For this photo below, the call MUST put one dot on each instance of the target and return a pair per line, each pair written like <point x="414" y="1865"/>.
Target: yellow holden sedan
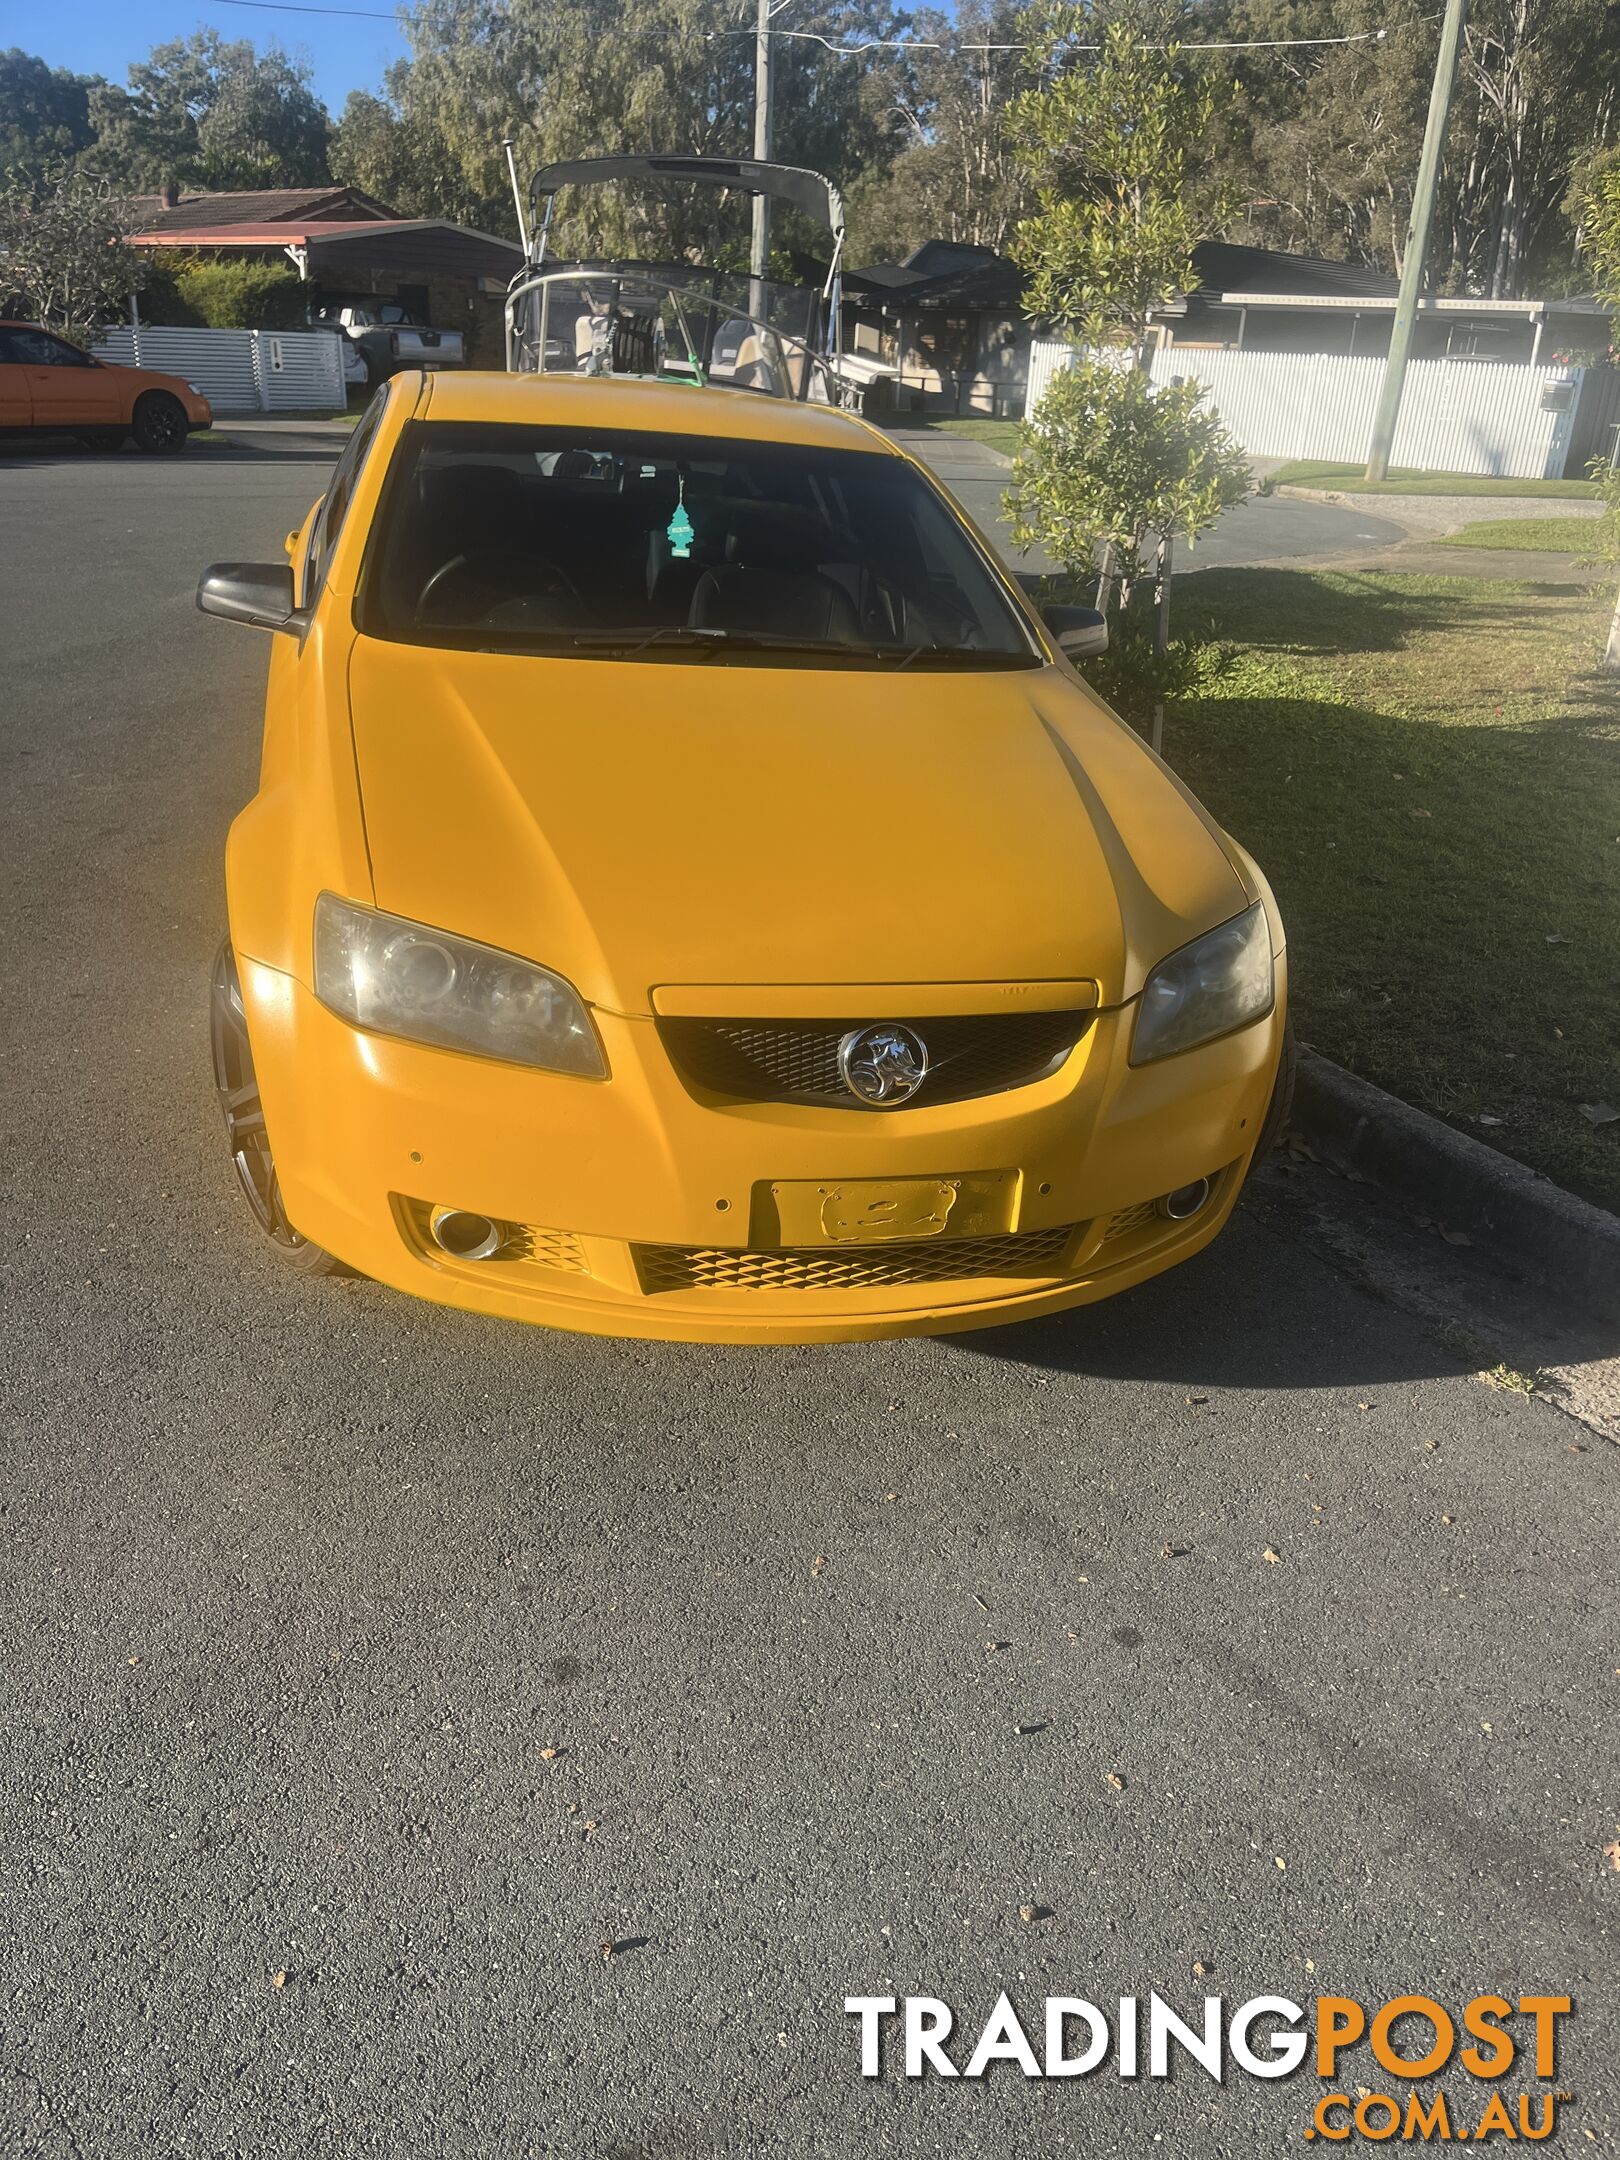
<point x="691" y="894"/>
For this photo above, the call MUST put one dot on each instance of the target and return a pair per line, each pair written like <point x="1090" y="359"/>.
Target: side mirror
<point x="1081" y="632"/>
<point x="250" y="592"/>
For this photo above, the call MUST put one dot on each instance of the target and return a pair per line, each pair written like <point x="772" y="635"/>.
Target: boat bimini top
<point x="629" y="319"/>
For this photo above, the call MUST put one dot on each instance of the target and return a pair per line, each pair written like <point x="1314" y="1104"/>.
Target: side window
<point x="37" y="348"/>
<point x="10" y="355"/>
<point x="335" y="503"/>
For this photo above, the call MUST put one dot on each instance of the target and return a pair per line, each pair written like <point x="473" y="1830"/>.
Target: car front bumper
<point x="638" y="1206"/>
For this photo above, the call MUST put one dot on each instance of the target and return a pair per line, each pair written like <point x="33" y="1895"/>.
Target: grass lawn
<point x="1314" y="472"/>
<point x="1429" y="773"/>
<point x="1558" y="535"/>
<point x="1000" y="435"/>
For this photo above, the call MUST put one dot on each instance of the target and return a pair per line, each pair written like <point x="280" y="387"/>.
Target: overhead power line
<point x="292" y="7"/>
<point x="975" y="45"/>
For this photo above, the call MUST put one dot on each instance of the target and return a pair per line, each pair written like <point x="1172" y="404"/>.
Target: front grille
<point x="871" y="1267"/>
<point x="797" y="1060"/>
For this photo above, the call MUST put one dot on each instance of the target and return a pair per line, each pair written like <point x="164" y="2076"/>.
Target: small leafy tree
<point x="1599" y="213"/>
<point x="1116" y="136"/>
<point x="64" y="259"/>
<point x="1108" y="462"/>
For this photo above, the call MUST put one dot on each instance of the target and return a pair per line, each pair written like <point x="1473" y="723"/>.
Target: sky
<point x="102" y="37"/>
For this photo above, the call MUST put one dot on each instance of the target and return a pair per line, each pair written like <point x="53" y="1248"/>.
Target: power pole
<point x="1417" y="242"/>
<point x="760" y="252"/>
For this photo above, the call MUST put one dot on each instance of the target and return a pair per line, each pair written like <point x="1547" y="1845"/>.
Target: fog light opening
<point x="1186" y="1201"/>
<point x="465" y="1236"/>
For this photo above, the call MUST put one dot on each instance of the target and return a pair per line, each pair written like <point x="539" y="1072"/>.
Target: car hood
<point x="641" y="824"/>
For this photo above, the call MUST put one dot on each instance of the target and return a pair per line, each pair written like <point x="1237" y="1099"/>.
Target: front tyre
<point x="238" y="1088"/>
<point x="159" y="425"/>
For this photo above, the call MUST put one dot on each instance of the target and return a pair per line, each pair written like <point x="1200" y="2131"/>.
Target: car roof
<point x="662" y="408"/>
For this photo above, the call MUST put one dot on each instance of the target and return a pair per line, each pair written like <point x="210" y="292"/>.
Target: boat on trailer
<point x="630" y="319"/>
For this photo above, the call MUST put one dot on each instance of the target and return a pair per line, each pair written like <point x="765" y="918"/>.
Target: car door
<point x="65" y="386"/>
<point x="16" y="410"/>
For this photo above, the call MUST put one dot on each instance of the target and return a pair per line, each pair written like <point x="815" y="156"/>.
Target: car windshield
<point x="678" y="547"/>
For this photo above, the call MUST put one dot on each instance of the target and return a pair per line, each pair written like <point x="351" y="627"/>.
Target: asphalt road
<point x="838" y="1648"/>
<point x="1264" y="529"/>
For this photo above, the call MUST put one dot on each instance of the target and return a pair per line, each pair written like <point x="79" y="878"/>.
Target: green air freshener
<point x="679" y="528"/>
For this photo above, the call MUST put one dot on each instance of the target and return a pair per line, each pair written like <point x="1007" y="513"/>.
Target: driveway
<point x="425" y="1735"/>
<point x="1265" y="529"/>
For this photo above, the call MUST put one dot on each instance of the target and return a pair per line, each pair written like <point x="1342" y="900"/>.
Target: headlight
<point x="1219" y="982"/>
<point x="402" y="978"/>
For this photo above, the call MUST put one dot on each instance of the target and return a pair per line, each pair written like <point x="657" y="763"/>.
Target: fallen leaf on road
<point x="278" y="1980"/>
<point x="1198" y="1398"/>
<point x="1598" y="1113"/>
<point x="1281" y="1862"/>
<point x="1485" y="1725"/>
<point x="550" y="1754"/>
<point x="891" y="1496"/>
<point x="1556" y="937"/>
<point x="1423" y="813"/>
<point x="1116" y="1781"/>
<point x="818" y="1563"/>
<point x="1174" y="1552"/>
<point x="1036" y="1725"/>
<point x="1611" y="1853"/>
<point x="1455" y="1237"/>
<point x="1199" y="1968"/>
<point x="1271" y="1553"/>
<point x="1492" y="1121"/>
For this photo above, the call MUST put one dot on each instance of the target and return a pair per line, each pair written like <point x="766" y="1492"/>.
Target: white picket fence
<point x="241" y="371"/>
<point x="1464" y="416"/>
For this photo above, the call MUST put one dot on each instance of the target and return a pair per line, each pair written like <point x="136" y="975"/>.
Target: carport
<point x="452" y="275"/>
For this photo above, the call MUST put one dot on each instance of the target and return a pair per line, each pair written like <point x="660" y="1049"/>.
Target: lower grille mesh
<point x="870" y="1267"/>
<point x="1129" y="1219"/>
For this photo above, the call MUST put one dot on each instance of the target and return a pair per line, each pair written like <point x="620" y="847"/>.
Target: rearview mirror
<point x="250" y="592"/>
<point x="1081" y="632"/>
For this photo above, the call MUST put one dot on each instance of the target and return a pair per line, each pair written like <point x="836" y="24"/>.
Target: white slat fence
<point x="1462" y="416"/>
<point x="241" y="371"/>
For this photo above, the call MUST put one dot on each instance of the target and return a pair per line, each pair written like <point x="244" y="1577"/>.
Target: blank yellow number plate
<point x="877" y="1211"/>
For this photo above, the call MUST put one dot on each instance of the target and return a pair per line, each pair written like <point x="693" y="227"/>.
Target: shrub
<point x="241" y="295"/>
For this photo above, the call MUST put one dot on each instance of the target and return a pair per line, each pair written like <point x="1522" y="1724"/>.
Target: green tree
<point x="210" y="114"/>
<point x="1116" y="138"/>
<point x="44" y="111"/>
<point x="957" y="175"/>
<point x="1324" y="144"/>
<point x="575" y="78"/>
<point x="63" y="257"/>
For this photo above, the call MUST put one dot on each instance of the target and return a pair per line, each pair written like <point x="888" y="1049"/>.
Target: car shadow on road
<point x="1250" y="1311"/>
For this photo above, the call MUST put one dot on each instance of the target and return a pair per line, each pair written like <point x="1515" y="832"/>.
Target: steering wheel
<point x="484" y="566"/>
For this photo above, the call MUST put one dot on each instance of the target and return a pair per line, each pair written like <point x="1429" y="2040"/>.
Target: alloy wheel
<point x="243" y="1108"/>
